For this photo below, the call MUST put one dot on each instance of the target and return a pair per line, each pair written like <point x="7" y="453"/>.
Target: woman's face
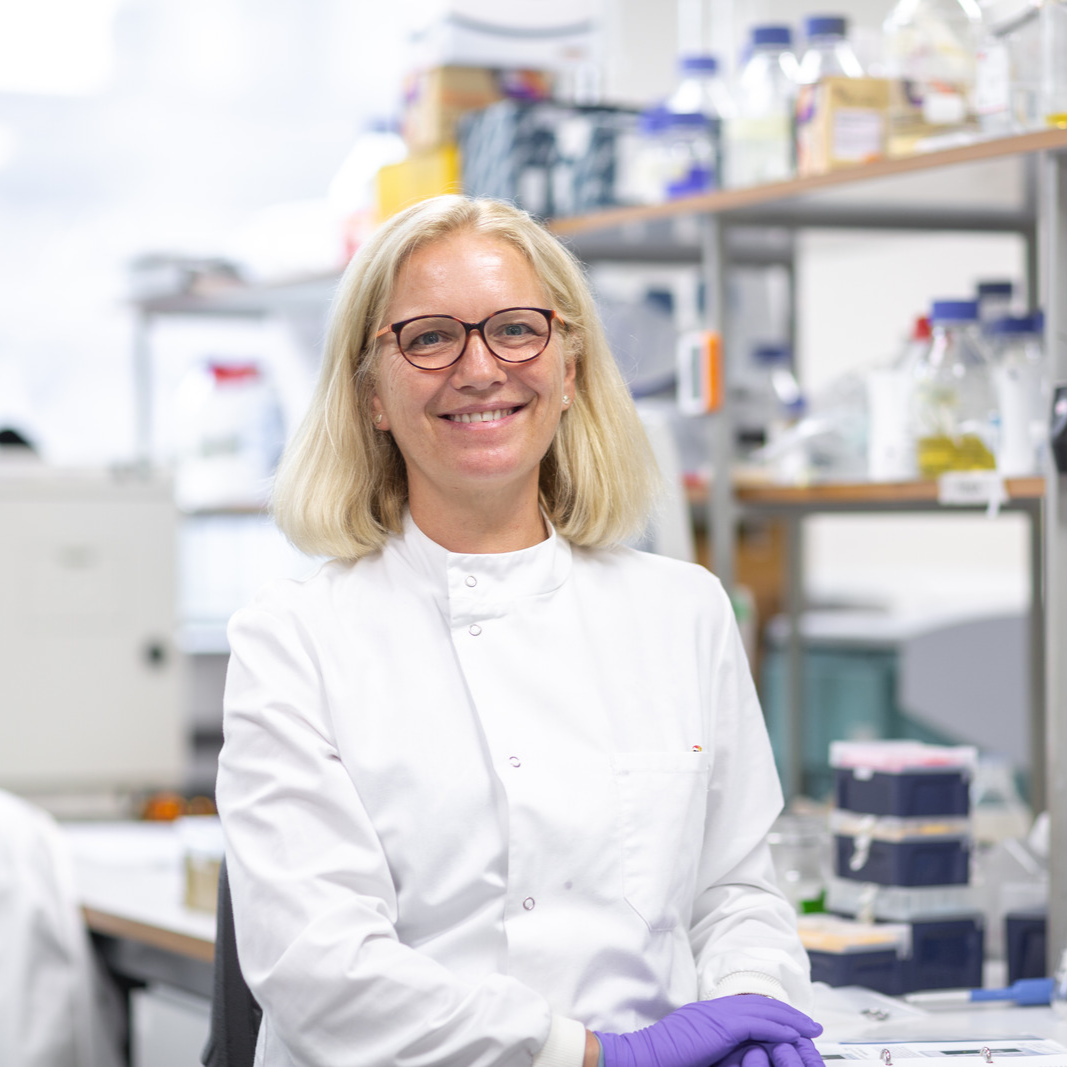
<point x="518" y="405"/>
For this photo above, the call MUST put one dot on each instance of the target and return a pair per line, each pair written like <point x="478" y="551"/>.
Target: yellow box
<point x="436" y="98"/>
<point x="841" y="122"/>
<point x="418" y="177"/>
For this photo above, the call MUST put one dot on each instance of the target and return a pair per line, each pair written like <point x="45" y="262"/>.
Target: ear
<point x="379" y="419"/>
<point x="569" y="376"/>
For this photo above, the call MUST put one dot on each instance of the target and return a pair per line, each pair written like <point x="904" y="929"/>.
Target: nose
<point x="477" y="368"/>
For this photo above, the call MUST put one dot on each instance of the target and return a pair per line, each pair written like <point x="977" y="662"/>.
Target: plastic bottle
<point x="1053" y="100"/>
<point x="994" y="301"/>
<point x="760" y="137"/>
<point x="1008" y="69"/>
<point x="1020" y="377"/>
<point x="229" y="436"/>
<point x="695" y="113"/>
<point x="828" y="51"/>
<point x="890" y="443"/>
<point x="954" y="412"/>
<point x="931" y="46"/>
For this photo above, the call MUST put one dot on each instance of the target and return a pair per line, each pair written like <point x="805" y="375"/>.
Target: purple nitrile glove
<point x="700" y="1034"/>
<point x="801" y="1053"/>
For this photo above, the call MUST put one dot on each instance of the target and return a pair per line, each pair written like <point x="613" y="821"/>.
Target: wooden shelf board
<point x="722" y="202"/>
<point x="892" y="493"/>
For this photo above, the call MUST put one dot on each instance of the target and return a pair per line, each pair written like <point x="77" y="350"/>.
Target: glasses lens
<point x="433" y="341"/>
<point x="519" y="334"/>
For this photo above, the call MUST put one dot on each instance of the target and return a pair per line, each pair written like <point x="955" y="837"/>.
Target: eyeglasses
<point x="433" y="342"/>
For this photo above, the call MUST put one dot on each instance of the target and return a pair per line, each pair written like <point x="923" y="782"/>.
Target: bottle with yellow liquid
<point x="1054" y="62"/>
<point x="953" y="406"/>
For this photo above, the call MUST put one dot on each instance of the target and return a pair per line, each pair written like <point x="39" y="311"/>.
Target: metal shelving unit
<point x="1041" y="221"/>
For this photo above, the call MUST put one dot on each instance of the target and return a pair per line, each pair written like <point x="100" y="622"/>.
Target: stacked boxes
<point x="902" y="842"/>
<point x="550" y="159"/>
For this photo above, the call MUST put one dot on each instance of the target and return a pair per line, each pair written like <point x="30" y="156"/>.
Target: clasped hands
<point x="746" y="1030"/>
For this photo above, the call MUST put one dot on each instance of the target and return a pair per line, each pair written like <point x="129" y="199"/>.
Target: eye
<point x="515" y="329"/>
<point x="429" y="335"/>
<point x="427" y="339"/>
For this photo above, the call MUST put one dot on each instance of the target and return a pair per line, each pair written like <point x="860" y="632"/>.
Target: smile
<point x="482" y="416"/>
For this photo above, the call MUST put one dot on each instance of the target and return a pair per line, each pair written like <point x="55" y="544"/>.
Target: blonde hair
<point x="341" y="487"/>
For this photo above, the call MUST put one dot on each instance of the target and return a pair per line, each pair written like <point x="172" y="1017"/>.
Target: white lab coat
<point x="52" y="1008"/>
<point x="475" y="803"/>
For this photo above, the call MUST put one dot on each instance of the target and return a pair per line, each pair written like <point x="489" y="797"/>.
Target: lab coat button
<point x="529" y="903"/>
<point x="471" y="581"/>
<point x="474" y="630"/>
<point x="515" y="761"/>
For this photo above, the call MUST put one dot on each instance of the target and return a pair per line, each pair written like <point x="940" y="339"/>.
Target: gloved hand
<point x="801" y="1053"/>
<point x="702" y="1033"/>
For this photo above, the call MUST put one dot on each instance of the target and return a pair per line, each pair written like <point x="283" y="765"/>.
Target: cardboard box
<point x="416" y="178"/>
<point x="841" y="122"/>
<point x="435" y="99"/>
<point x="914" y="117"/>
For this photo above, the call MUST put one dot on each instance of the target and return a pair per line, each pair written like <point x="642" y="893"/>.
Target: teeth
<point x="481" y="416"/>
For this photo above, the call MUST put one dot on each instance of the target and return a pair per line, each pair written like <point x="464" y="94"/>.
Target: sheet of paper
<point x="1020" y="1051"/>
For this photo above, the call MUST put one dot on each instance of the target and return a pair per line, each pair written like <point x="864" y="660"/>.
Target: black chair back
<point x="235" y="1015"/>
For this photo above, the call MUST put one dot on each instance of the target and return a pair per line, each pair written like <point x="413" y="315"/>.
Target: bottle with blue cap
<point x="692" y="121"/>
<point x="1021" y="381"/>
<point x="760" y="137"/>
<point x="995" y="300"/>
<point x="955" y="417"/>
<point x="828" y="52"/>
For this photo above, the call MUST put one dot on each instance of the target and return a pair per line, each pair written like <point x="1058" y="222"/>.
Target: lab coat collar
<point x="533" y="571"/>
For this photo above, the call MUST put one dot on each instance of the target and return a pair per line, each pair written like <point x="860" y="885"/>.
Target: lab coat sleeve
<point x="743" y="931"/>
<point x="314" y="902"/>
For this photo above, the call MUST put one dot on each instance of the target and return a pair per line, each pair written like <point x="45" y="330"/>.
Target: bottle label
<point x="857" y="134"/>
<point x="992" y="90"/>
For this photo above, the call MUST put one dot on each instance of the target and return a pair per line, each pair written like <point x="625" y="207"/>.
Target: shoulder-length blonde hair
<point x="341" y="487"/>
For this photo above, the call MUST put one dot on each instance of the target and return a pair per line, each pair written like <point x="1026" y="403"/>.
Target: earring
<point x="566" y="400"/>
<point x="378" y="419"/>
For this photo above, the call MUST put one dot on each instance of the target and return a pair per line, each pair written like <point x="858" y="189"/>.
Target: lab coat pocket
<point x="662" y="803"/>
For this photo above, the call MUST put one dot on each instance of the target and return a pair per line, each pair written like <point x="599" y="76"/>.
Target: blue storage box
<point x="902" y="852"/>
<point x="905" y="779"/>
<point x="844" y="951"/>
<point x="895" y="958"/>
<point x="880" y="971"/>
<point x="945" y="954"/>
<point x="908" y="795"/>
<point x="944" y="861"/>
<point x="1024" y="935"/>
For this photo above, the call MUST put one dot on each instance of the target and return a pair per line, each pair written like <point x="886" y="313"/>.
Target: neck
<point x="490" y="522"/>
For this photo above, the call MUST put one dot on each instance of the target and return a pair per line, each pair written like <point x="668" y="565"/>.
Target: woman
<point x="495" y="790"/>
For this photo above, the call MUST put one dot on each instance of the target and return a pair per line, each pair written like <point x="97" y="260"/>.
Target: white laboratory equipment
<point x="90" y="679"/>
<point x="759" y="139"/>
<point x="931" y="50"/>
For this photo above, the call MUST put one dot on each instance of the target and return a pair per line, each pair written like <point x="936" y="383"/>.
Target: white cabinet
<point x="90" y="678"/>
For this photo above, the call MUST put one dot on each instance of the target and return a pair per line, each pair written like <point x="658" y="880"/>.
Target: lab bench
<point x="130" y="882"/>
